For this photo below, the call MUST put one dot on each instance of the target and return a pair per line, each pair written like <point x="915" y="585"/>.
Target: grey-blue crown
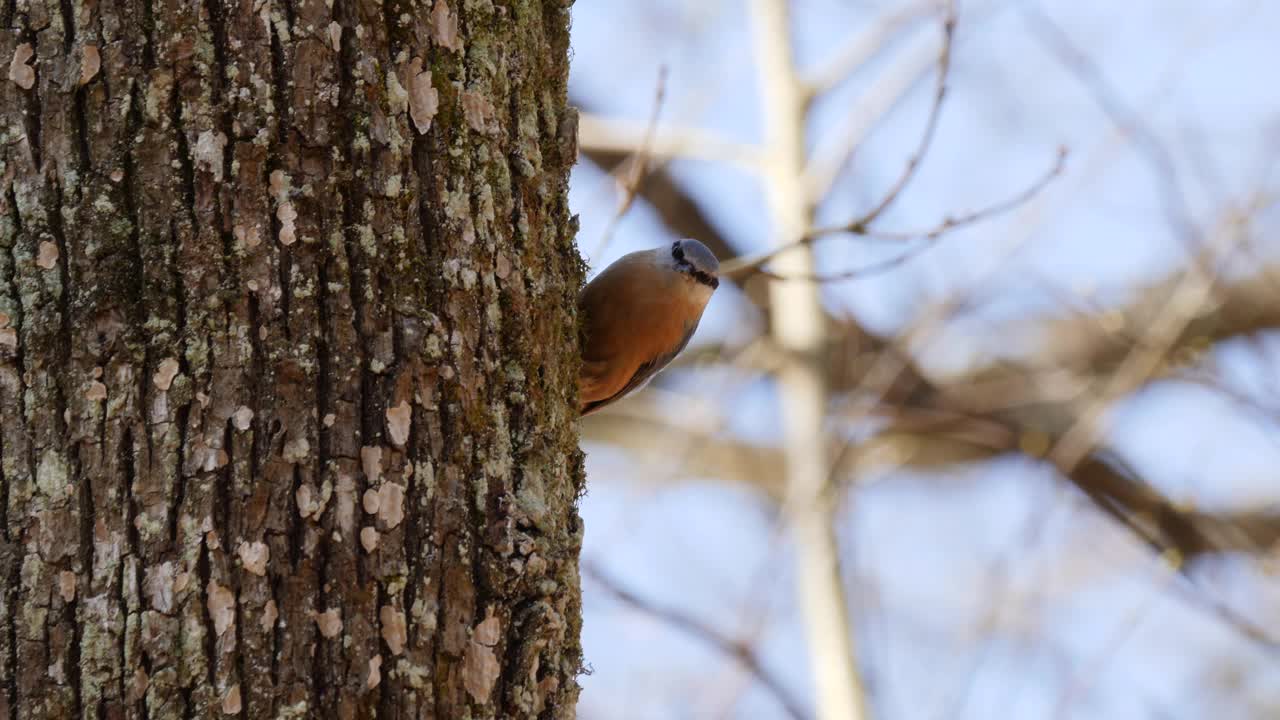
<point x="696" y="256"/>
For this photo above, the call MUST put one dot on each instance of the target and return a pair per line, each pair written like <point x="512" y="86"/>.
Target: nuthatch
<point x="638" y="315"/>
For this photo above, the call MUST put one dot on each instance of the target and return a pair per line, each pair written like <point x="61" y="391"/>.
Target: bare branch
<point x="876" y="268"/>
<point x="740" y="269"/>
<point x="743" y="653"/>
<point x="930" y="126"/>
<point x="1179" y="537"/>
<point x="1083" y="678"/>
<point x="834" y="152"/>
<point x="637" y="165"/>
<point x="936" y="436"/>
<point x="1180" y="534"/>
<point x="679" y="211"/>
<point x="1093" y="343"/>
<point x="861" y="225"/>
<point x="636" y="426"/>
<point x="862" y="48"/>
<point x="614" y="135"/>
<point x="1164" y="171"/>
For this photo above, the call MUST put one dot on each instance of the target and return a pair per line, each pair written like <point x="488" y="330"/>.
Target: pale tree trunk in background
<point x="286" y="383"/>
<point x="799" y="328"/>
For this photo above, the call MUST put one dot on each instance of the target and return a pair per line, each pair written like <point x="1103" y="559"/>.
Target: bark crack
<point x="133" y="122"/>
<point x="12" y="583"/>
<point x="320" y="679"/>
<point x="356" y="285"/>
<point x="390" y="15"/>
<point x="218" y="29"/>
<point x="135" y="549"/>
<point x="324" y="362"/>
<point x="4" y="497"/>
<point x="275" y="631"/>
<point x="280" y="84"/>
<point x="68" y="26"/>
<point x="148" y="36"/>
<point x="285" y="271"/>
<point x="179" y="491"/>
<point x="4" y="479"/>
<point x="31" y="115"/>
<point x="64" y="302"/>
<point x="19" y="324"/>
<point x="185" y="160"/>
<point x="297" y="524"/>
<point x="80" y="112"/>
<point x="61" y="414"/>
<point x="74" y="672"/>
<point x="205" y="572"/>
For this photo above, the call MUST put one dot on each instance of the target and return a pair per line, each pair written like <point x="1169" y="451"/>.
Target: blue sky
<point x="1089" y="626"/>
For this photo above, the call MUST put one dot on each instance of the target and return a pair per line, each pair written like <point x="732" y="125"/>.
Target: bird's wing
<point x="643" y="374"/>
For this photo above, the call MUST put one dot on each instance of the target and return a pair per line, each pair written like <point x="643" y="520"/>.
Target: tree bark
<point x="287" y="357"/>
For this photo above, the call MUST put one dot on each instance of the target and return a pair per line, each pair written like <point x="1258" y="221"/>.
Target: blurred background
<point x="978" y="429"/>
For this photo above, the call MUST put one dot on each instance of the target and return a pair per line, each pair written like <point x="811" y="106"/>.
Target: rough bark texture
<point x="286" y="296"/>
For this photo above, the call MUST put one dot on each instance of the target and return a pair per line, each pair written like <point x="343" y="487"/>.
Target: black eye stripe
<point x="688" y="268"/>
<point x="698" y="275"/>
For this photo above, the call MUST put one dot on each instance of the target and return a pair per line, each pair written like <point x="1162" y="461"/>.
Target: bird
<point x="637" y="315"/>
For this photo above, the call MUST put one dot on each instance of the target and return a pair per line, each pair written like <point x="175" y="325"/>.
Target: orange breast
<point x="632" y="313"/>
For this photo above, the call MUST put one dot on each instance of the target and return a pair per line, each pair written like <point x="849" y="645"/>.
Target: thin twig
<point x="744" y="654"/>
<point x="1160" y="160"/>
<point x="636" y="168"/>
<point x="1089" y="670"/>
<point x="739" y="270"/>
<point x="835" y="150"/>
<point x="1188" y="297"/>
<point x="876" y="268"/>
<point x="861" y="225"/>
<point x="612" y="135"/>
<point x="1143" y="362"/>
<point x="930" y="127"/>
<point x="861" y="49"/>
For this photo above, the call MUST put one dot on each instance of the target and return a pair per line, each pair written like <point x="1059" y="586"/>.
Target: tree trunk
<point x="287" y="351"/>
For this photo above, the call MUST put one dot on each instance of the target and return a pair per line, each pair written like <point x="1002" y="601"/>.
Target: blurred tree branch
<point x="994" y="409"/>
<point x="836" y="151"/>
<point x="1003" y="407"/>
<point x="740" y="651"/>
<point x="1160" y="160"/>
<point x="596" y="132"/>
<point x="637" y="166"/>
<point x="879" y="408"/>
<point x="863" y="47"/>
<point x="738" y="269"/>
<point x="934" y="442"/>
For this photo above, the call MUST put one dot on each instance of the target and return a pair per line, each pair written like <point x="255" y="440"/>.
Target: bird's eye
<point x="677" y="252"/>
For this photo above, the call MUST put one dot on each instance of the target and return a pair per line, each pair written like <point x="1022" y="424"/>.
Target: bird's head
<point x="695" y="261"/>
